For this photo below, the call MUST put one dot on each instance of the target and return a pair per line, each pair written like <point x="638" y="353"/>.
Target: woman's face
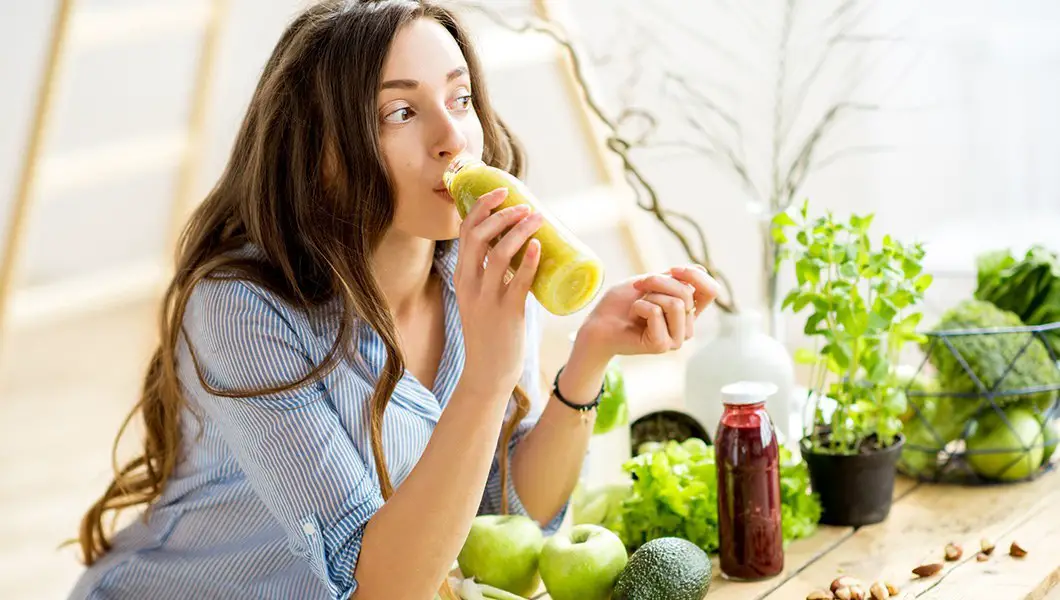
<point x="425" y="118"/>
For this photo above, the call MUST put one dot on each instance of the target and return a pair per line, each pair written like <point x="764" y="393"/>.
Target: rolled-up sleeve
<point x="291" y="445"/>
<point x="531" y="383"/>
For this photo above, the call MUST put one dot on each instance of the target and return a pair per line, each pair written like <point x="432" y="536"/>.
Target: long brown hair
<point x="312" y="111"/>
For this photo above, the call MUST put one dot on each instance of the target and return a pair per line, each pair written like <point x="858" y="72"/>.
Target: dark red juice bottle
<point x="747" y="459"/>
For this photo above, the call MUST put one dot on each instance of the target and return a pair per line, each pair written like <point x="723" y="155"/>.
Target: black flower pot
<point x="857" y="489"/>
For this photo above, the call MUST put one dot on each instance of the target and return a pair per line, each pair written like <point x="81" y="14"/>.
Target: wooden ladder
<point x="77" y="29"/>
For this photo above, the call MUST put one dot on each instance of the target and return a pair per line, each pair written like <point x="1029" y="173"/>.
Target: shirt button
<point x="309" y="529"/>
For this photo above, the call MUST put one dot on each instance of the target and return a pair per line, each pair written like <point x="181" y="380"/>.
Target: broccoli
<point x="988" y="357"/>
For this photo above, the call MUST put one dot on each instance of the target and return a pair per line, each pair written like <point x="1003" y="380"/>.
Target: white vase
<point x="742" y="351"/>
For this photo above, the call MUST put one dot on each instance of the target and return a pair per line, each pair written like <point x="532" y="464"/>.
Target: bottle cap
<point x="747" y="392"/>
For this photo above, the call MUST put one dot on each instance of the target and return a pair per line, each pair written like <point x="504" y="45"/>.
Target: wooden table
<point x="923" y="519"/>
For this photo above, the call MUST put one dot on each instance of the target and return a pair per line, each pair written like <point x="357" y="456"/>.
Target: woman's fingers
<point x="690" y="323"/>
<point x="676" y="315"/>
<point x="520" y="284"/>
<point x="669" y="286"/>
<point x="497" y="223"/>
<point x="655" y="331"/>
<point x="482" y="208"/>
<point x="706" y="288"/>
<point x="480" y="227"/>
<point x="500" y="257"/>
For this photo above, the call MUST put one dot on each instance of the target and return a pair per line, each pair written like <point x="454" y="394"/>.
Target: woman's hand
<point x="648" y="314"/>
<point x="492" y="309"/>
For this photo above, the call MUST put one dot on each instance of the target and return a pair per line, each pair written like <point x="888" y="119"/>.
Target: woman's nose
<point x="451" y="139"/>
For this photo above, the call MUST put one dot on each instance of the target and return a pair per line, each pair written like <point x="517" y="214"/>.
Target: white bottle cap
<point x="747" y="392"/>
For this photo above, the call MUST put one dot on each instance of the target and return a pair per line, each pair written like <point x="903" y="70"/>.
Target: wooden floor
<point x="64" y="390"/>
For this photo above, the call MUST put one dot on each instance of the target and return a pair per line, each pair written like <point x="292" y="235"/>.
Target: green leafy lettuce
<point x="674" y="492"/>
<point x="1028" y="287"/>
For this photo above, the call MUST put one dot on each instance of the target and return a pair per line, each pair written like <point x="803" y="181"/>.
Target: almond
<point x="986" y="546"/>
<point x="953" y="552"/>
<point x="844" y="581"/>
<point x="1016" y="551"/>
<point x="820" y="595"/>
<point x="927" y="570"/>
<point x="982" y="557"/>
<point x="879" y="591"/>
<point x="844" y="593"/>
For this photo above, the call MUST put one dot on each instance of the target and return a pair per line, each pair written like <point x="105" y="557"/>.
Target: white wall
<point x="974" y="124"/>
<point x="23" y="27"/>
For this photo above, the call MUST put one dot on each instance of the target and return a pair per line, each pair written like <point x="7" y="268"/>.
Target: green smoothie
<point x="570" y="275"/>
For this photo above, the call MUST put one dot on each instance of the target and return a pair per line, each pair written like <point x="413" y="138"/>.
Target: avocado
<point x="667" y="568"/>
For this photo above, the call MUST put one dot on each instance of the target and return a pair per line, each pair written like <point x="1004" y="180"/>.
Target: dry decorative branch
<point x="646" y="194"/>
<point x="716" y="133"/>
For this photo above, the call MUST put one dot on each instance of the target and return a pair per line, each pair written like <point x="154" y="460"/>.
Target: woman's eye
<point x="400" y="115"/>
<point x="462" y="102"/>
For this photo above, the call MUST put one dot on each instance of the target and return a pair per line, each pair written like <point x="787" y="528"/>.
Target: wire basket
<point x="984" y="417"/>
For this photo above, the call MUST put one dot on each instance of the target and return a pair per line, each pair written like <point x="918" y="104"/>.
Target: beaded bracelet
<point x="578" y="407"/>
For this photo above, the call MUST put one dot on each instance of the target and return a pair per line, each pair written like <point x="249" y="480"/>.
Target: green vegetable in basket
<point x="989" y="357"/>
<point x="924" y="438"/>
<point x="1006" y="451"/>
<point x="921" y="428"/>
<point x="909" y="378"/>
<point x="1029" y="287"/>
<point x="1051" y="431"/>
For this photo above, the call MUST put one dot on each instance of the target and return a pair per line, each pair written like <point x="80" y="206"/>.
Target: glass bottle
<point x="569" y="274"/>
<point x="748" y="465"/>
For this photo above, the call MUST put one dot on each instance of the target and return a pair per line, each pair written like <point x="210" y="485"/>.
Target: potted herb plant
<point x="860" y="301"/>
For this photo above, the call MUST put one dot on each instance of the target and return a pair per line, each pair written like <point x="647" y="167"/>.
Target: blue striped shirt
<point x="272" y="493"/>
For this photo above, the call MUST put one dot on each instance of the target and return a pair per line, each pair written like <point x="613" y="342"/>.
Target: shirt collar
<point x="448" y="254"/>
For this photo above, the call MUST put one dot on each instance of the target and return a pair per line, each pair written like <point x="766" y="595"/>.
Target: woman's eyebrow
<point x="411" y="84"/>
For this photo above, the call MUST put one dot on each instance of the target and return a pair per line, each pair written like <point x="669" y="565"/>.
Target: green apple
<point x="600" y="505"/>
<point x="583" y="565"/>
<point x="996" y="451"/>
<point x="503" y="551"/>
<point x="920" y="455"/>
<point x="911" y="378"/>
<point x="1052" y="437"/>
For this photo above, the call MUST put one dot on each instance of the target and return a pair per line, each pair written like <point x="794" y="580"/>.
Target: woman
<point x="328" y="279"/>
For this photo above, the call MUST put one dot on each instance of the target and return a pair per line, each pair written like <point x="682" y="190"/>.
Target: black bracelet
<point x="578" y="407"/>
